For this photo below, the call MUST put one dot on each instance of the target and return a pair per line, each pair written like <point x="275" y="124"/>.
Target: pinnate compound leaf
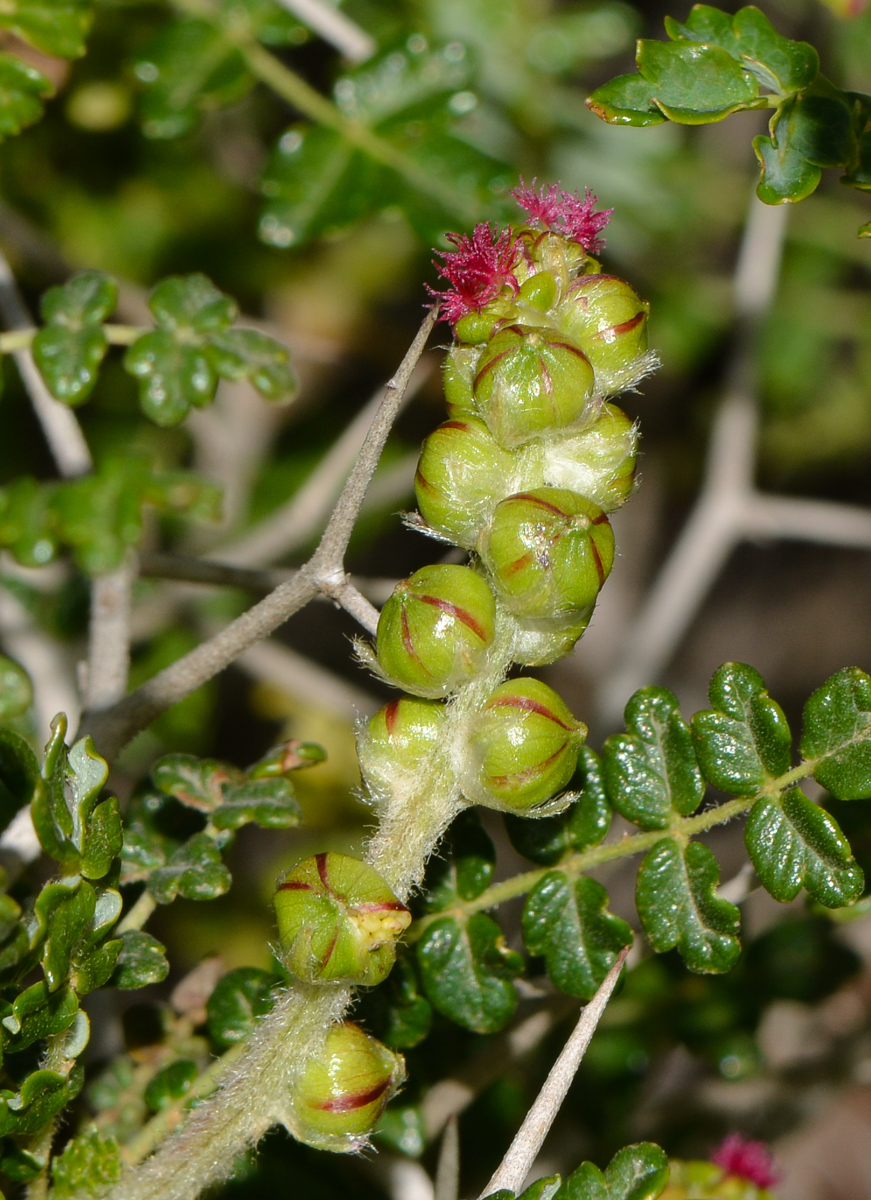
<point x="43" y="1095"/>
<point x="90" y="1164"/>
<point x="567" y="921"/>
<point x="269" y="803"/>
<point x="71" y="346"/>
<point x="837" y="734"/>
<point x="67" y="795"/>
<point x="38" y="1013"/>
<point x="56" y="27"/>
<point x="467" y="972"/>
<point x="651" y="772"/>
<point x="693" y="83"/>
<point x="196" y="782"/>
<point x="582" y="825"/>
<point x="172" y="362"/>
<point x="22" y="88"/>
<point x="249" y="354"/>
<point x="793" y="843"/>
<point x="679" y="906"/>
<point x="638" y="1172"/>
<point x="466" y="868"/>
<point x="190" y="66"/>
<point x="780" y="64"/>
<point x="396" y="1011"/>
<point x="195" y="871"/>
<point x="104" y="837"/>
<point x="141" y="961"/>
<point x="238" y="1000"/>
<point x="16" y="693"/>
<point x="745" y="741"/>
<point x="626" y="100"/>
<point x="315" y="182"/>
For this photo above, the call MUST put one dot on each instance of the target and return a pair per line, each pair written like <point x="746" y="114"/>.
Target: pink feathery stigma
<point x="751" y="1160"/>
<point x="477" y="270"/>
<point x="565" y="213"/>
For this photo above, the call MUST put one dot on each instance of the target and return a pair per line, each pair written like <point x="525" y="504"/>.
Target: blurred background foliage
<point x="144" y="166"/>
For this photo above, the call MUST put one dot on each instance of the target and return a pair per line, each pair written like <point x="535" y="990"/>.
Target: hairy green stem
<point x="585" y="860"/>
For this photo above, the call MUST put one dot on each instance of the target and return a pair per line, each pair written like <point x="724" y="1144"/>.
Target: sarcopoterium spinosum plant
<point x="521" y="478"/>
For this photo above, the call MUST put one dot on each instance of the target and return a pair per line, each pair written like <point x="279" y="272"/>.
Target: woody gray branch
<point x="324" y="572"/>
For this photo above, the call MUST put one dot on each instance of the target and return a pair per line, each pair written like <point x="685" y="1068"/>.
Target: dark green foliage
<point x="467" y="972"/>
<point x="566" y="920"/>
<point x="141" y="960"/>
<point x="16" y="690"/>
<point x="679" y="907"/>
<point x="317" y="181"/>
<point x="98" y="517"/>
<point x="466" y="872"/>
<point x="195" y="871"/>
<point x="651" y="772"/>
<point x="582" y="825"/>
<point x="238" y="1000"/>
<point x="19" y="774"/>
<point x="638" y="1172"/>
<point x="227" y="795"/>
<point x="71" y="346"/>
<point x="745" y="741"/>
<point x="54" y="26"/>
<point x="170" y="1084"/>
<point x="89" y="1163"/>
<point x="396" y="1011"/>
<point x="22" y="88"/>
<point x="714" y="65"/>
<point x="794" y="843"/>
<point x="837" y="731"/>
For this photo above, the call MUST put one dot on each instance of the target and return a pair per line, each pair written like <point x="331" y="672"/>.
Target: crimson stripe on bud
<point x="397" y="742"/>
<point x="436" y="629"/>
<point x="523" y="747"/>
<point x="338" y="919"/>
<point x="549" y="551"/>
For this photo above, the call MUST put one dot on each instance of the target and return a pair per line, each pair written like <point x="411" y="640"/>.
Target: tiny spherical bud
<point x="436" y="629"/>
<point x="338" y="919"/>
<point x="461" y="476"/>
<point x="532" y="382"/>
<point x="459" y="372"/>
<point x="344" y="1089"/>
<point x="476" y="328"/>
<point x="549" y="551"/>
<point x="523" y="747"/>
<point x="609" y="319"/>
<point x="540" y="290"/>
<point x="549" y="251"/>
<point x="599" y="462"/>
<point x="537" y="642"/>
<point x="392" y="747"/>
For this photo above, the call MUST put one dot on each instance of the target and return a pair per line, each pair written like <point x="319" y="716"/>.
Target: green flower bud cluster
<point x="338" y="921"/>
<point x="523" y="475"/>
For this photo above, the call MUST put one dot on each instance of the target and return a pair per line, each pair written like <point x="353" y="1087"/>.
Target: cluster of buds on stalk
<point x="522" y="476"/>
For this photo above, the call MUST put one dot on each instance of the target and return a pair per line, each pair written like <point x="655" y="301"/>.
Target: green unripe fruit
<point x="523" y="747"/>
<point x="549" y="551"/>
<point x="540" y="290"/>
<point x="338" y="919"/>
<point x="461" y="476"/>
<point x="397" y="740"/>
<point x="532" y="382"/>
<point x="598" y="462"/>
<point x="609" y="319"/>
<point x="459" y="372"/>
<point x="436" y="629"/>
<point x="344" y="1089"/>
<point x="537" y="643"/>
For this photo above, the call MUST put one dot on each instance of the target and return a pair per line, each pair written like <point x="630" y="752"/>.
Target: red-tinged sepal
<point x="338" y="920"/>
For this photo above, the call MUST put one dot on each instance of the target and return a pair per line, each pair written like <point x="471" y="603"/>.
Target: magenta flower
<point x="565" y="213"/>
<point x="477" y="270"/>
<point x="751" y="1160"/>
